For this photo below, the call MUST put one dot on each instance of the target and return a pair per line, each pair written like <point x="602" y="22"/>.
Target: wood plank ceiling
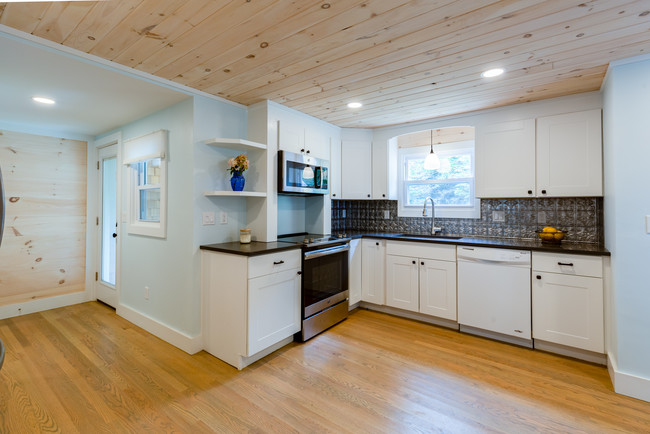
<point x="404" y="60"/>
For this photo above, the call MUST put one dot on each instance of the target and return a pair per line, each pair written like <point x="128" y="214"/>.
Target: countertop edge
<point x="236" y="248"/>
<point x="567" y="247"/>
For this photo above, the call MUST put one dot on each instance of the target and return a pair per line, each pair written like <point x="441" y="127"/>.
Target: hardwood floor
<point x="84" y="369"/>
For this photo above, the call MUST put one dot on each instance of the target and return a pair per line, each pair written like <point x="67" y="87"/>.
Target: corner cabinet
<point x="568" y="300"/>
<point x="372" y="271"/>
<point x="354" y="274"/>
<point x="551" y="156"/>
<point x="251" y="305"/>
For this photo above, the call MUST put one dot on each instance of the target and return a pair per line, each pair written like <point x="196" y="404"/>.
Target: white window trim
<point x="158" y="142"/>
<point x="473" y="211"/>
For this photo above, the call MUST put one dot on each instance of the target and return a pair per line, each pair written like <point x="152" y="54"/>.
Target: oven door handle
<point x="324" y="252"/>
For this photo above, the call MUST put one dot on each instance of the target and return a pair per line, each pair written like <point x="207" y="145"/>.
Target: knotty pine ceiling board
<point x="405" y="60"/>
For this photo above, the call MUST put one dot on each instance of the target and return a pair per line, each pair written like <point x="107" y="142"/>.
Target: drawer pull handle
<point x="299" y="273"/>
<point x="278" y="262"/>
<point x="568" y="264"/>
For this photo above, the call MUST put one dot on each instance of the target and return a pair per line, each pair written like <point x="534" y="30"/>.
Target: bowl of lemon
<point x="551" y="235"/>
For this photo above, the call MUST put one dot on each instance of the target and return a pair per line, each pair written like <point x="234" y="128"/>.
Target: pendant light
<point x="432" y="162"/>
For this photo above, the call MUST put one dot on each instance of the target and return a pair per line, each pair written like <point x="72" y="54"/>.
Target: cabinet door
<point x="380" y="171"/>
<point x="291" y="134"/>
<point x="317" y="142"/>
<point x="438" y="288"/>
<point x="356" y="169"/>
<point x="568" y="310"/>
<point x="373" y="285"/>
<point x="505" y="159"/>
<point x="569" y="155"/>
<point x="354" y="266"/>
<point x="402" y="286"/>
<point x="273" y="309"/>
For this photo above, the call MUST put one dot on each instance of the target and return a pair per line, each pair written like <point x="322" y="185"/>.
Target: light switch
<point x="208" y="218"/>
<point x="223" y="218"/>
<point x="386" y="214"/>
<point x="541" y="217"/>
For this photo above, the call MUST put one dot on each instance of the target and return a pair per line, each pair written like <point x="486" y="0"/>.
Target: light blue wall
<point x="165" y="265"/>
<point x="626" y="116"/>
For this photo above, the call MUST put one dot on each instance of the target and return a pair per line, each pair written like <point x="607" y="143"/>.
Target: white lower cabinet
<point x="568" y="300"/>
<point x="372" y="271"/>
<point x="251" y="305"/>
<point x="354" y="272"/>
<point x="425" y="283"/>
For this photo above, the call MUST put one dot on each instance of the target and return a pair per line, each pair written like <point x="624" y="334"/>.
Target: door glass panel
<point x="109" y="220"/>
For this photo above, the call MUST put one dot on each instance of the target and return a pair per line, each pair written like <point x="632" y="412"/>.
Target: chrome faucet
<point x="434" y="229"/>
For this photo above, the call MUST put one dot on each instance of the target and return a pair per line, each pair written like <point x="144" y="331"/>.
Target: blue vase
<point x="237" y="181"/>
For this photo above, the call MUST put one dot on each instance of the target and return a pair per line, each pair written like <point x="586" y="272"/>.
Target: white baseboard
<point x="41" y="304"/>
<point x="189" y="344"/>
<point x="628" y="384"/>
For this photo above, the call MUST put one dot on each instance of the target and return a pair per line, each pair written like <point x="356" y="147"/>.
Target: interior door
<point x="106" y="289"/>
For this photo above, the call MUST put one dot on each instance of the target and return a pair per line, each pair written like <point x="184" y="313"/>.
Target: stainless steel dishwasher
<point x="494" y="293"/>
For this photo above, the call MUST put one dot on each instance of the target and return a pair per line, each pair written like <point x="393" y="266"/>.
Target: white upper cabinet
<point x="505" y="159"/>
<point x="553" y="156"/>
<point x="356" y="169"/>
<point x="302" y="134"/>
<point x="335" y="168"/>
<point x="569" y="155"/>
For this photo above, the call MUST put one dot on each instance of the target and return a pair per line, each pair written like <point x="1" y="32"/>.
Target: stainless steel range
<point x="324" y="282"/>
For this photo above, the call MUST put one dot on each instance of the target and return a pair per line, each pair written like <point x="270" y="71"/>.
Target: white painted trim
<point x="189" y="344"/>
<point x="39" y="305"/>
<point x="628" y="384"/>
<point x="107" y="64"/>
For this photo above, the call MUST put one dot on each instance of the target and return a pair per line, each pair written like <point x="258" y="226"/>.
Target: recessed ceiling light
<point x="492" y="73"/>
<point x="43" y="100"/>
<point x="354" y="105"/>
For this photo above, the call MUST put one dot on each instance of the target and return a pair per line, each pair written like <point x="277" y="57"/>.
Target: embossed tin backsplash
<point x="582" y="217"/>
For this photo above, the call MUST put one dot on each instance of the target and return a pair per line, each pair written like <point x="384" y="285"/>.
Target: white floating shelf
<point x="235" y="193"/>
<point x="237" y="144"/>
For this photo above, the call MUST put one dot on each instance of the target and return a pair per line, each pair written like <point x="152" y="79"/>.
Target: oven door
<point x="324" y="278"/>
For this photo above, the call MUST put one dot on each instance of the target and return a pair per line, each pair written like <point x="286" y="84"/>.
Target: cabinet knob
<point x="383" y="195"/>
<point x="414" y="262"/>
<point x="308" y="151"/>
<point x="530" y="191"/>
<point x="543" y="191"/>
<point x="539" y="277"/>
<point x="302" y="150"/>
<point x="368" y="195"/>
<point x="422" y="263"/>
<point x="376" y="244"/>
<point x="333" y="194"/>
<point x="299" y="273"/>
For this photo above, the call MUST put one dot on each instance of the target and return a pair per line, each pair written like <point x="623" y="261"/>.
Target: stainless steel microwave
<point x="302" y="174"/>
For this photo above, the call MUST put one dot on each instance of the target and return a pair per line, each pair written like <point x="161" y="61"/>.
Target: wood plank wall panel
<point x="43" y="251"/>
<point x="406" y="60"/>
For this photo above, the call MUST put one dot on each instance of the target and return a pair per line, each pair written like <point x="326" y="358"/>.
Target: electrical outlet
<point x="386" y="214"/>
<point x="541" y="217"/>
<point x="208" y="218"/>
<point x="498" y="216"/>
<point x="223" y="218"/>
<point x="146" y="293"/>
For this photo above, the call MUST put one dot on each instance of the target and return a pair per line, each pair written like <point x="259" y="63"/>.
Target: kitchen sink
<point x="433" y="237"/>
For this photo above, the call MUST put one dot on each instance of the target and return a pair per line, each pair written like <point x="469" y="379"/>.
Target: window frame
<point x="442" y="211"/>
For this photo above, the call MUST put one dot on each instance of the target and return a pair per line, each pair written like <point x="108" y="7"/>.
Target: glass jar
<point x="244" y="236"/>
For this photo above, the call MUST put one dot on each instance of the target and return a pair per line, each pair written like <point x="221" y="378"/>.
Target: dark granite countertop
<point x="253" y="249"/>
<point x="504" y="243"/>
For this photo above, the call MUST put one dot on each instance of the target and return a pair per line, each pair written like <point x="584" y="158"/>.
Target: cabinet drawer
<point x="273" y="263"/>
<point x="421" y="250"/>
<point x="577" y="265"/>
